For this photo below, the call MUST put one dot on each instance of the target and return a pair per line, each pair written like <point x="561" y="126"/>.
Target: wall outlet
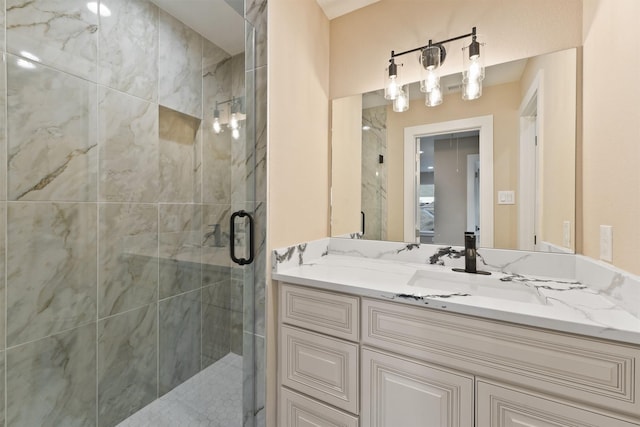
<point x="566" y="234"/>
<point x="606" y="243"/>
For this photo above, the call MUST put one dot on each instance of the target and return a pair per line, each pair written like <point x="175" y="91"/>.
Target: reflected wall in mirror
<point x="531" y="104"/>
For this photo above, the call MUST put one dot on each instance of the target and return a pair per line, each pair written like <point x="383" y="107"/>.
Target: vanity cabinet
<point x="430" y="368"/>
<point x="397" y="391"/>
<point x="504" y="406"/>
<point x="318" y="360"/>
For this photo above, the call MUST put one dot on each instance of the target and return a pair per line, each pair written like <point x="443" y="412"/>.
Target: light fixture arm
<point x="431" y="43"/>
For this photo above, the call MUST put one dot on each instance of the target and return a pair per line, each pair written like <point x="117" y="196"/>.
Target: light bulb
<point x="393" y="88"/>
<point x="434" y="97"/>
<point x="475" y="69"/>
<point x="235" y="133"/>
<point x="216" y="125"/>
<point x="233" y="121"/>
<point x="401" y="103"/>
<point x="431" y="81"/>
<point x="472" y="89"/>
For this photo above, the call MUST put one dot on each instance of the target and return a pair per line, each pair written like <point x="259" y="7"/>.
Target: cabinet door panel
<point x="297" y="410"/>
<point x="503" y="406"/>
<point x="401" y="392"/>
<point x="324" y="312"/>
<point x="322" y="367"/>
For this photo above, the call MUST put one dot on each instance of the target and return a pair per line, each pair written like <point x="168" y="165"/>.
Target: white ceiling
<point x="335" y="8"/>
<point x="214" y="19"/>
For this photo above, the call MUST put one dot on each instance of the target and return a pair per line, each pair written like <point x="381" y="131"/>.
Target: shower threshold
<point x="211" y="398"/>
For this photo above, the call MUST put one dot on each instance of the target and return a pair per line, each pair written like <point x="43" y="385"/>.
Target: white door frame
<point x="529" y="178"/>
<point x="483" y="124"/>
<point x="472" y="160"/>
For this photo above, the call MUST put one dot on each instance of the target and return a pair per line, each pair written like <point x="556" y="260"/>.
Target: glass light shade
<point x="430" y="71"/>
<point x="233" y="121"/>
<point x="235" y="133"/>
<point x="401" y="103"/>
<point x="433" y="97"/>
<point x="216" y="125"/>
<point x="392" y="86"/>
<point x="473" y="62"/>
<point x="471" y="89"/>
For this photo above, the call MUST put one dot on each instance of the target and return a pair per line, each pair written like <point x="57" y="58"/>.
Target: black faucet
<point x="470" y="252"/>
<point x="470" y="255"/>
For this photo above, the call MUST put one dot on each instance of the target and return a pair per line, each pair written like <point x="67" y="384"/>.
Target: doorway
<point x="483" y="126"/>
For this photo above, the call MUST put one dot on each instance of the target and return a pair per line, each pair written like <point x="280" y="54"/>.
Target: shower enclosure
<point x="122" y="210"/>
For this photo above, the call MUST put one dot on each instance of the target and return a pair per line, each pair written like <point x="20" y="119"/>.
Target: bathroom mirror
<point x="502" y="165"/>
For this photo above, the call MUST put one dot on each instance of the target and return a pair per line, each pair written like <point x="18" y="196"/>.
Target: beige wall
<point x="611" y="130"/>
<point x="557" y="140"/>
<point x="361" y="42"/>
<point x="346" y="164"/>
<point x="503" y="102"/>
<point x="298" y="88"/>
<point x="298" y="143"/>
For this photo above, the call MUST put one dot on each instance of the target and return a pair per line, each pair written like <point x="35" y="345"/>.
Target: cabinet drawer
<point x="319" y="311"/>
<point x="322" y="367"/>
<point x="296" y="410"/>
<point x="502" y="406"/>
<point x="583" y="369"/>
<point x="400" y="392"/>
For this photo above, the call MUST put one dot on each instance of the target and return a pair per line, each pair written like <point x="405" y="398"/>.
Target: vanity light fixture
<point x="431" y="57"/>
<point x="231" y="116"/>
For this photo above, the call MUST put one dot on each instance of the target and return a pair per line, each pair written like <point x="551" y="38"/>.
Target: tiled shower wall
<point x="114" y="290"/>
<point x="374" y="173"/>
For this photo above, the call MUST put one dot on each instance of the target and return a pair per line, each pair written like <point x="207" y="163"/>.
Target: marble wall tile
<point x="212" y="55"/>
<point x="256" y="14"/>
<point x="129" y="153"/>
<point x="2" y="388"/>
<point x="374" y="177"/>
<point x="3" y="20"/>
<point x="216" y="324"/>
<point x="180" y="67"/>
<point x="52" y="381"/>
<point x="215" y="243"/>
<point x="128" y="55"/>
<point x="260" y="135"/>
<point x="128" y="251"/>
<point x="51" y="134"/>
<point x="216" y="154"/>
<point x="248" y="376"/>
<point x="235" y="339"/>
<point x="180" y="252"/>
<point x="3" y="120"/>
<point x="60" y="239"/>
<point x="179" y="171"/>
<point x="127" y="364"/>
<point x="60" y="33"/>
<point x="219" y="294"/>
<point x="3" y="216"/>
<point x="180" y="339"/>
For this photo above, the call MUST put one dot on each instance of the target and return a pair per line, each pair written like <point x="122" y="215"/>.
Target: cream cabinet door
<point x="503" y="406"/>
<point x="297" y="410"/>
<point x="399" y="392"/>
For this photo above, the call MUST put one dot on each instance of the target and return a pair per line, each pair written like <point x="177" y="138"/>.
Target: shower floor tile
<point x="212" y="398"/>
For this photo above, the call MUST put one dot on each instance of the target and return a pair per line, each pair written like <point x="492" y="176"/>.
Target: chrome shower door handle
<point x="232" y="237"/>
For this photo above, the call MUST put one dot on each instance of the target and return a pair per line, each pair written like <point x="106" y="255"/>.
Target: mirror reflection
<point x="502" y="166"/>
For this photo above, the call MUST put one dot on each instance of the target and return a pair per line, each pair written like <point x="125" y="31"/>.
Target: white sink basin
<point x="475" y="285"/>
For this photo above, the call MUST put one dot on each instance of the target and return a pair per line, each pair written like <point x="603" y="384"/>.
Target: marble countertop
<point x="562" y="304"/>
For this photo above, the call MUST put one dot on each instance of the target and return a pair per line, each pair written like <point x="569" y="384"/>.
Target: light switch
<point x="606" y="243"/>
<point x="506" y="197"/>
